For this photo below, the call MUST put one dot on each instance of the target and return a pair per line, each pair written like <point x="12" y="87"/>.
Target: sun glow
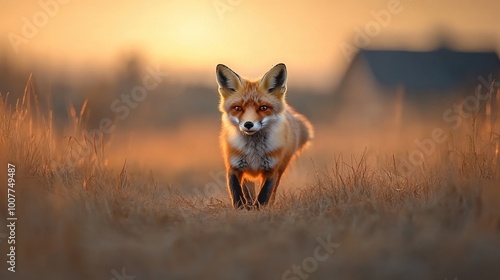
<point x="190" y="34"/>
<point x="195" y="35"/>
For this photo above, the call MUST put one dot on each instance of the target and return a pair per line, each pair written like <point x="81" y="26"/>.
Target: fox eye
<point x="237" y="108"/>
<point x="263" y="108"/>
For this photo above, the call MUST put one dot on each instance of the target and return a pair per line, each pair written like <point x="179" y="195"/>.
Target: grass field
<point x="86" y="210"/>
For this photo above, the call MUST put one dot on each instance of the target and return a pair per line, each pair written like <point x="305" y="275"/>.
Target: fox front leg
<point x="268" y="189"/>
<point x="235" y="190"/>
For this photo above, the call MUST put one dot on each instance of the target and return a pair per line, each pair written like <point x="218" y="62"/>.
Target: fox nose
<point x="248" y="125"/>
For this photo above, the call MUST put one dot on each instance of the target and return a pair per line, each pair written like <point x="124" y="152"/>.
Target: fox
<point x="260" y="134"/>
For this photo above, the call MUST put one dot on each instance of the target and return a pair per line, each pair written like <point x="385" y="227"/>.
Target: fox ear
<point x="227" y="79"/>
<point x="274" y="81"/>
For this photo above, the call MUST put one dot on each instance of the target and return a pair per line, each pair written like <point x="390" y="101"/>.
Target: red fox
<point x="260" y="133"/>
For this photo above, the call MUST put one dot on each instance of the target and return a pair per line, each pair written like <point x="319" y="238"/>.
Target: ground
<point x="351" y="216"/>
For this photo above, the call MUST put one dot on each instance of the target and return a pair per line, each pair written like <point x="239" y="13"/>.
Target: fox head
<point x="252" y="105"/>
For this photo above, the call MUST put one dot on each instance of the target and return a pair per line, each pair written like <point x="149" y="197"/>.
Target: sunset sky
<point x="249" y="36"/>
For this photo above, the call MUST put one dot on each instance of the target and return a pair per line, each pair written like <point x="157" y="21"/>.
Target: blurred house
<point x="388" y="87"/>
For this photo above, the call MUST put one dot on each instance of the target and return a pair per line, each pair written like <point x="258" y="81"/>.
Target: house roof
<point x="441" y="69"/>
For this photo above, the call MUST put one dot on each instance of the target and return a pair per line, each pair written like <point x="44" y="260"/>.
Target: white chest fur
<point x="254" y="150"/>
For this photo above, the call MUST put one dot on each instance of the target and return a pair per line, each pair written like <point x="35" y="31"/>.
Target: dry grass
<point x="84" y="218"/>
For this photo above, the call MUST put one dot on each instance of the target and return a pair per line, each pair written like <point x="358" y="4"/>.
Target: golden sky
<point x="249" y="36"/>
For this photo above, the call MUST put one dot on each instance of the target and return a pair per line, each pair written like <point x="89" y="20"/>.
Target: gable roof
<point x="438" y="70"/>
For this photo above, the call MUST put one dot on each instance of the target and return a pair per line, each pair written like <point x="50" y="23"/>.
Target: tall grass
<point x="80" y="218"/>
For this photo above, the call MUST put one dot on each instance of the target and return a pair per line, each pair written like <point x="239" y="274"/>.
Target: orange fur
<point x="260" y="134"/>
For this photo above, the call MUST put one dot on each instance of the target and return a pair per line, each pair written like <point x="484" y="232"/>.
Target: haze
<point x="250" y="36"/>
